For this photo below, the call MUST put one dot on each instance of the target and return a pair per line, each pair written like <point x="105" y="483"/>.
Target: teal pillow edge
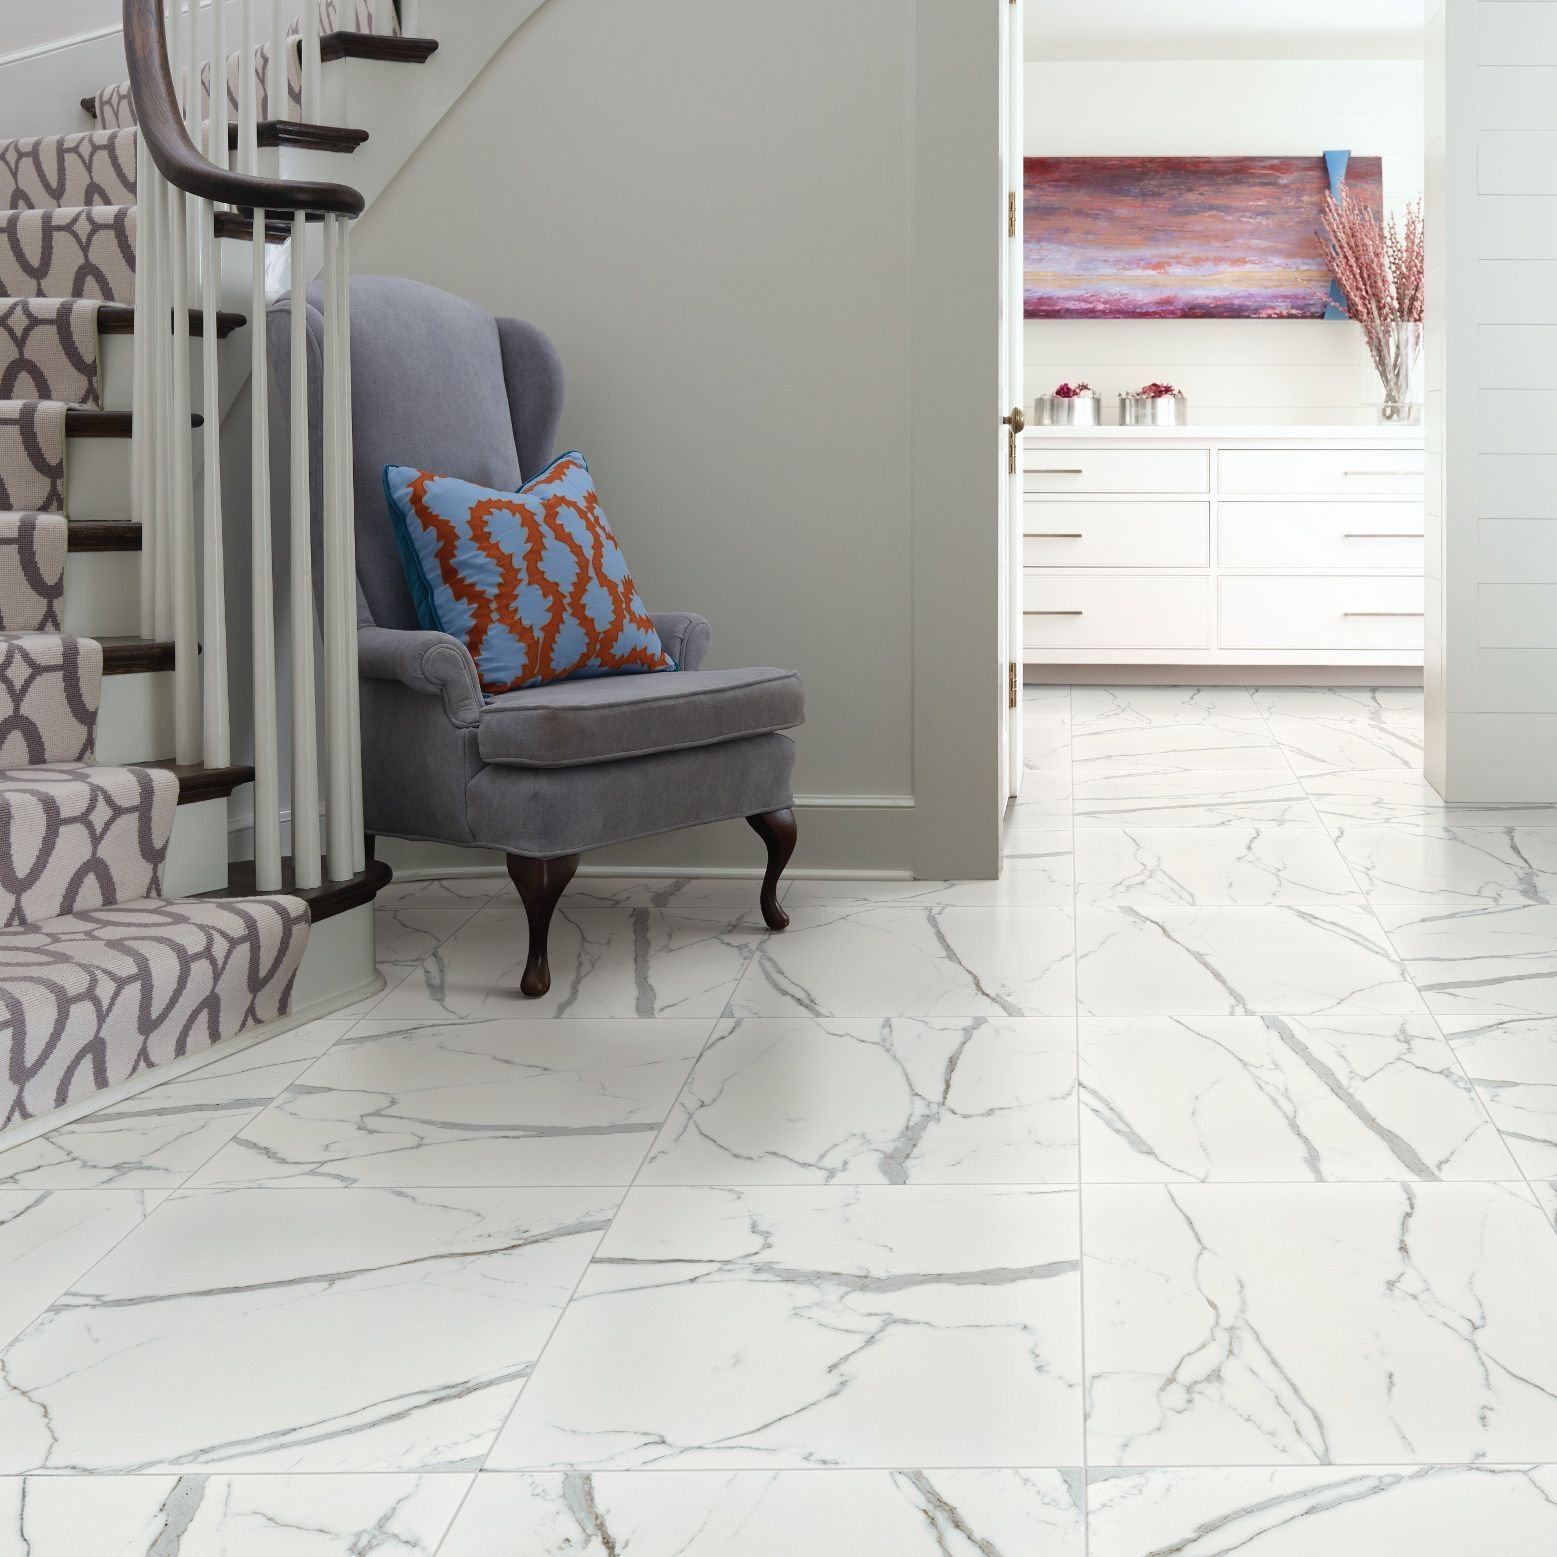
<point x="410" y="561"/>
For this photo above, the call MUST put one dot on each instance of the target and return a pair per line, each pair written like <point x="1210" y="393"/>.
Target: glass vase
<point x="1400" y="372"/>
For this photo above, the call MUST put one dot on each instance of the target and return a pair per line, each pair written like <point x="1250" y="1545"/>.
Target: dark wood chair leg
<point x="778" y="831"/>
<point x="540" y="884"/>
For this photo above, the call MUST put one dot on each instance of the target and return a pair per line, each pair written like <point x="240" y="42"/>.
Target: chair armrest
<point x="425" y="662"/>
<point x="686" y="637"/>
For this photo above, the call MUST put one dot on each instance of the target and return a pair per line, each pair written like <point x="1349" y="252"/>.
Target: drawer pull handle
<point x="1057" y="613"/>
<point x="1057" y="535"/>
<point x="1058" y="470"/>
<point x="1385" y="535"/>
<point x="1381" y="473"/>
<point x="1383" y="613"/>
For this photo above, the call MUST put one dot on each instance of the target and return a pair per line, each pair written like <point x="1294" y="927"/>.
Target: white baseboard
<point x="1222" y="676"/>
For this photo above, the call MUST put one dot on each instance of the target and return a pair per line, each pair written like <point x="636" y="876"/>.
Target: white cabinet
<point x="1232" y="546"/>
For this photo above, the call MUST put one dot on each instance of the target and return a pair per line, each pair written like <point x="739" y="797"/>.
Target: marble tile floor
<point x="1191" y="1190"/>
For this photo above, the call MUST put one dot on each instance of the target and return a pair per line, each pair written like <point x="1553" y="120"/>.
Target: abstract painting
<point x="1181" y="237"/>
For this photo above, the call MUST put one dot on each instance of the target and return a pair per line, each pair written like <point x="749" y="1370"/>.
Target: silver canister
<point x="1153" y="411"/>
<point x="1067" y="410"/>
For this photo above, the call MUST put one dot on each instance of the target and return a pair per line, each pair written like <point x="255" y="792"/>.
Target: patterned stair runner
<point x="100" y="978"/>
<point x="74" y="838"/>
<point x="91" y="999"/>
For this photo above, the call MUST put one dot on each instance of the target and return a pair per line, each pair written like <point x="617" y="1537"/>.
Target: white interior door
<point x="1012" y="397"/>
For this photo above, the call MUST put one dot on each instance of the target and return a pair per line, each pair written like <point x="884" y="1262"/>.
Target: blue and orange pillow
<point x="532" y="582"/>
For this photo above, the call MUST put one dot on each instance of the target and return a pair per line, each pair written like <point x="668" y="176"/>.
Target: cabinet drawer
<point x="1116" y="470"/>
<point x="1115" y="611"/>
<point x="1321" y="535"/>
<point x="1293" y="611"/>
<point x="1143" y="534"/>
<point x="1355" y="472"/>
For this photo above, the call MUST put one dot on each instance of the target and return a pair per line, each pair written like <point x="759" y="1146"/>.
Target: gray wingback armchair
<point x="549" y="773"/>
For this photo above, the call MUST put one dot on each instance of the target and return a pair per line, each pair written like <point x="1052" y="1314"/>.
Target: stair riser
<point x="102" y="594"/>
<point x="197" y="854"/>
<point x="135" y="721"/>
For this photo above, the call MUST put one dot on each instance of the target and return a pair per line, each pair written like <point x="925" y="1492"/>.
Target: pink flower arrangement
<point x="1380" y="271"/>
<point x="1072" y="391"/>
<point x="1156" y="391"/>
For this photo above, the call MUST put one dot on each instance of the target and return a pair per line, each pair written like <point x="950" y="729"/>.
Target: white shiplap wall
<point x="1492" y="399"/>
<point x="1233" y="370"/>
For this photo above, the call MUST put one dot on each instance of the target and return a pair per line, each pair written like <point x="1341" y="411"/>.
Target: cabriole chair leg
<point x="778" y="831"/>
<point x="540" y="884"/>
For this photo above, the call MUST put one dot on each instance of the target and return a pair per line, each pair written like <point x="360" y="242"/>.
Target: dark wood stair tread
<point x="135" y="656"/>
<point x="305" y="137"/>
<point x="324" y="902"/>
<point x="197" y="783"/>
<point x="102" y="535"/>
<point x="376" y="45"/>
<point x="83" y="423"/>
<point x="119" y="319"/>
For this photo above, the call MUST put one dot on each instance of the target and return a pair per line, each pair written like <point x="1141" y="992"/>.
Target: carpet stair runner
<point x="100" y="977"/>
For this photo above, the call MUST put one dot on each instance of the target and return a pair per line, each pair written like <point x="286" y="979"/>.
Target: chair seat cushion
<point x="571" y="723"/>
<point x="531" y="582"/>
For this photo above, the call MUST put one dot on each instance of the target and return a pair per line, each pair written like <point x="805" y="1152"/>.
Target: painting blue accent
<point x="1335" y="166"/>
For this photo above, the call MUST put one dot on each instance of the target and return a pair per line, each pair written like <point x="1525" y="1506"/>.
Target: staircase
<point x="127" y="940"/>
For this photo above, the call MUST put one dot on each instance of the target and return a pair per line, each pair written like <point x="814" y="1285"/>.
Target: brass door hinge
<point x="1011" y="215"/>
<point x="1011" y="686"/>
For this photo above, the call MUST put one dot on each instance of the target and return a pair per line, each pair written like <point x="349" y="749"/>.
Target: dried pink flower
<point x="1381" y="273"/>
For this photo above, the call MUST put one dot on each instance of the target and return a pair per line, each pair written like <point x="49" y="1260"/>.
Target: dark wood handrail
<point x="178" y="159"/>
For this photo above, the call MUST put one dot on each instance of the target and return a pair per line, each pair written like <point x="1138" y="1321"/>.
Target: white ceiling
<point x="1224" y="29"/>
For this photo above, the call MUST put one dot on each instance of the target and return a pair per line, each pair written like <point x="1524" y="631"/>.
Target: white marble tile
<point x="671" y="893"/>
<point x="1286" y="1099"/>
<point x="299" y="1329"/>
<point x="895" y="1100"/>
<point x="49" y="1236"/>
<point x="1375" y="705"/>
<point x="1478" y="961"/>
<point x="1323" y="745"/>
<point x="604" y="962"/>
<point x="505" y="1101"/>
<point x="1039" y="877"/>
<point x="227" y="1516"/>
<point x="835" y="1513"/>
<point x="1342" y="1323"/>
<point x="1512" y="1063"/>
<point x="1157" y="750"/>
<point x="1042" y="803"/>
<point x="1399" y="797"/>
<point x="913" y="960"/>
<point x="453" y="892"/>
<point x="1451" y="865"/>
<point x="1099" y="708"/>
<point x="157" y="1138"/>
<point x="784" y="1328"/>
<point x="1364" y="1511"/>
<point x="1046" y="748"/>
<point x="1045" y="705"/>
<point x="1188" y="866"/>
<point x="409" y="935"/>
<point x="1209" y="799"/>
<point x="1147" y="961"/>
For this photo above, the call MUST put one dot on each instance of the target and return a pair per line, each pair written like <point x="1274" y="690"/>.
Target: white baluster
<point x="181" y="547"/>
<point x="148" y="396"/>
<point x="194" y="111"/>
<point x="219" y="153"/>
<point x="311" y="66"/>
<point x="267" y="782"/>
<point x="349" y="565"/>
<point x="248" y="108"/>
<point x="176" y="56"/>
<point x="339" y="852"/>
<point x="410" y="20"/>
<point x="305" y="729"/>
<point x="218" y="716"/>
<point x="279" y="105"/>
